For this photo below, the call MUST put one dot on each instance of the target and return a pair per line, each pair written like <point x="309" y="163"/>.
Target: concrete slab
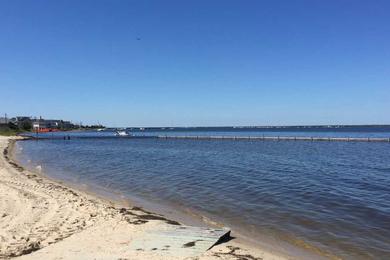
<point x="183" y="241"/>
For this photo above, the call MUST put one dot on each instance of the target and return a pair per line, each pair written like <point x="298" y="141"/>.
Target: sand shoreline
<point x="41" y="218"/>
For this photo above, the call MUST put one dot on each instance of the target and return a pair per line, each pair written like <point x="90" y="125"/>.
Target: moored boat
<point x="121" y="133"/>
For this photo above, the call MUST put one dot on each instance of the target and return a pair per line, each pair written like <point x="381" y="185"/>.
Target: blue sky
<point x="193" y="63"/>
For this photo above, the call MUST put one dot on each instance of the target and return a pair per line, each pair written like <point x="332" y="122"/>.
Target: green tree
<point x="26" y="126"/>
<point x="12" y="126"/>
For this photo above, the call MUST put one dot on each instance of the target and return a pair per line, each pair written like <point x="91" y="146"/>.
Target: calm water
<point x="353" y="132"/>
<point x="335" y="196"/>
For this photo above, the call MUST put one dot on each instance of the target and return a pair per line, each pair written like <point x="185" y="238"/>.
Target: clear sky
<point x="194" y="63"/>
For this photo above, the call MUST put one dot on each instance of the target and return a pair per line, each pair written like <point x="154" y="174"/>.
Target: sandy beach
<point x="43" y="219"/>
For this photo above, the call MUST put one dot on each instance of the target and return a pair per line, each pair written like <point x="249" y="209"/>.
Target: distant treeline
<point x="313" y="128"/>
<point x="91" y="126"/>
<point x="12" y="128"/>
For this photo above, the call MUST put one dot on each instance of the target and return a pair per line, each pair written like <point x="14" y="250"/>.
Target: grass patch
<point x="6" y="131"/>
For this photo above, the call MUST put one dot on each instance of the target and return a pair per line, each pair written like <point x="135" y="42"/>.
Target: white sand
<point x="41" y="219"/>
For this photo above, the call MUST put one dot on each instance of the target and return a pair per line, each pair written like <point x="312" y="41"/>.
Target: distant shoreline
<point x="311" y="128"/>
<point x="258" y="127"/>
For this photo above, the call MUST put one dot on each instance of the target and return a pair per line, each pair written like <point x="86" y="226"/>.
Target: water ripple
<point x="333" y="195"/>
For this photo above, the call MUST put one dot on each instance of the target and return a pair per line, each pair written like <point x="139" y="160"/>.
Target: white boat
<point x="121" y="133"/>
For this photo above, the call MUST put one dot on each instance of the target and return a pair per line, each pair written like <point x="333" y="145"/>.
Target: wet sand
<point x="43" y="219"/>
